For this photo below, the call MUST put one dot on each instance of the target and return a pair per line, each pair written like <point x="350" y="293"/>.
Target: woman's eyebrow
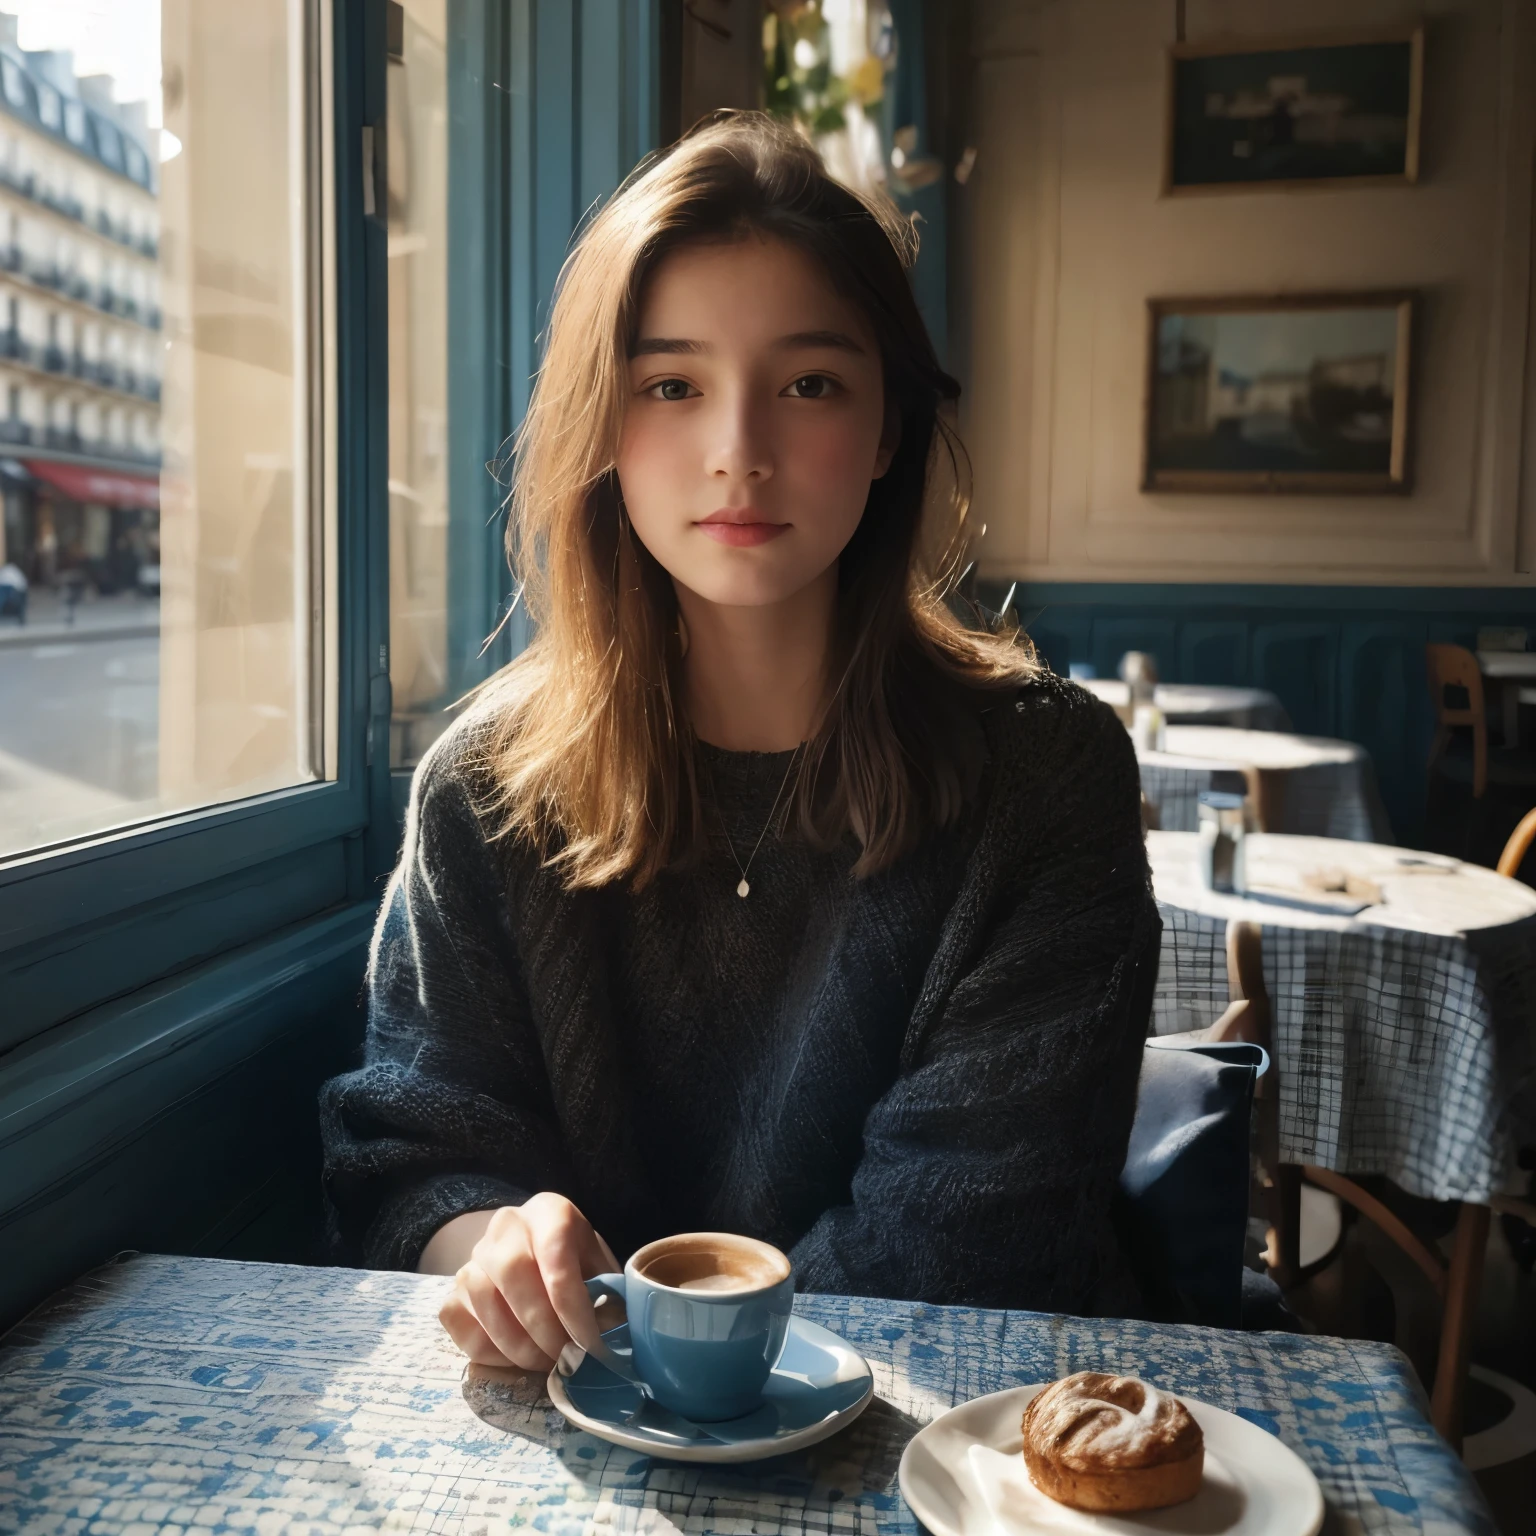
<point x="835" y="340"/>
<point x="796" y="340"/>
<point x="649" y="344"/>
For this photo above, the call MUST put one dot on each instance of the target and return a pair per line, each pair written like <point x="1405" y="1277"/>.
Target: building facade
<point x="80" y="326"/>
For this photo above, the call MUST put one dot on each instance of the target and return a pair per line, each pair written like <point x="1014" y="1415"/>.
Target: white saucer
<point x="819" y="1385"/>
<point x="964" y="1475"/>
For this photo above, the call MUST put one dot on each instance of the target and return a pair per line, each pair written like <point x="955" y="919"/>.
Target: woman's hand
<point x="520" y="1297"/>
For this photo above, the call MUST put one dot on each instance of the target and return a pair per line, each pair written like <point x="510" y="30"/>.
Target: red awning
<point x="103" y="485"/>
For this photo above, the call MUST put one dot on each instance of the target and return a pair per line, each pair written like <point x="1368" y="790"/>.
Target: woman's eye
<point x="671" y="389"/>
<point x="811" y="386"/>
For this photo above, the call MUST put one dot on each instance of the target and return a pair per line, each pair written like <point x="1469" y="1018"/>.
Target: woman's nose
<point x="740" y="446"/>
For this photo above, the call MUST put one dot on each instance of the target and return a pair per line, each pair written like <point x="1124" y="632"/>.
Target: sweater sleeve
<point x="451" y="1110"/>
<point x="988" y="1167"/>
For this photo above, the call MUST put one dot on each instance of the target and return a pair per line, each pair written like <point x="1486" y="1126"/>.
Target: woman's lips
<point x="736" y="529"/>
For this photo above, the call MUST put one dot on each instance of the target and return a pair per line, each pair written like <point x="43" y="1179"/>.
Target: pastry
<point x="1112" y="1444"/>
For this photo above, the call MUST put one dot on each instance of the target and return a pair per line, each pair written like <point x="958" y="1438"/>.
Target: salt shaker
<point x="1223" y="841"/>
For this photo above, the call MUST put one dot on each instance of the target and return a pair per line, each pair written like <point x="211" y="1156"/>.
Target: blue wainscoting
<point x="1345" y="661"/>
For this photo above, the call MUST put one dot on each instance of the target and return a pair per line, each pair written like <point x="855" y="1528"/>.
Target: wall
<point x="1064" y="237"/>
<point x="1345" y="661"/>
<point x="181" y="1119"/>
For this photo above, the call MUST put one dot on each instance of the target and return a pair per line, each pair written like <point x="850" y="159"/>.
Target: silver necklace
<point x="744" y="889"/>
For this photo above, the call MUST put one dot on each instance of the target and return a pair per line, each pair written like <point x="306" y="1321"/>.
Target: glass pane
<point x="163" y="383"/>
<point x="418" y="381"/>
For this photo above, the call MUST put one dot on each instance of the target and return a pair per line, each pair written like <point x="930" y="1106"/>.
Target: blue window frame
<point x="171" y="995"/>
<point x="552" y="103"/>
<point x="100" y="918"/>
<point x="555" y="101"/>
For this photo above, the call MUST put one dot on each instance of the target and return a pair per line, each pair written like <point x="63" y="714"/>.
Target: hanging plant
<point x="799" y="81"/>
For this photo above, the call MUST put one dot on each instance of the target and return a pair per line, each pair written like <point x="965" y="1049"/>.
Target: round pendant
<point x="743" y="888"/>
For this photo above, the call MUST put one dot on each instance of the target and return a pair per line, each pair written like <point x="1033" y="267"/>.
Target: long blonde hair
<point x="585" y="736"/>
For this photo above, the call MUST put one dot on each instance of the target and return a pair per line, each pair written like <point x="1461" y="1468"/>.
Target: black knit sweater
<point x="920" y="1084"/>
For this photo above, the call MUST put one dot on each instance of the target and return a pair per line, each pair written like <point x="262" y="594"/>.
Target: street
<point x="79" y="735"/>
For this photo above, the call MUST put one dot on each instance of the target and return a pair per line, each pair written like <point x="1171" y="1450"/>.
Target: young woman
<point x="758" y="894"/>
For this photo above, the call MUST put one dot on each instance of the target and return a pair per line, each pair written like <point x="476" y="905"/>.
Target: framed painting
<point x="1302" y="111"/>
<point x="1294" y="393"/>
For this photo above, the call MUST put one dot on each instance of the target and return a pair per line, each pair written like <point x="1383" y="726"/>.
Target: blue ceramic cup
<point x="708" y="1316"/>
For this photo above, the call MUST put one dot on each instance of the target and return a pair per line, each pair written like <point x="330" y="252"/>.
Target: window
<point x="183" y="720"/>
<point x="506" y="124"/>
<point x="14" y="83"/>
<point x="417" y="80"/>
<point x="210" y="583"/>
<point x="49" y="108"/>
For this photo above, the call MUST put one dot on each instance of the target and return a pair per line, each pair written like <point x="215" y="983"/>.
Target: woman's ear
<point x="890" y="439"/>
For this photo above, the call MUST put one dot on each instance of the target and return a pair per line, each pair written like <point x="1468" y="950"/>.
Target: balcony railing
<point x="13" y="344"/>
<point x="70" y="207"/>
<point x="21" y="181"/>
<point x="65" y="439"/>
<point x="14" y="431"/>
<point x="26" y="183"/>
<point x="54" y="360"/>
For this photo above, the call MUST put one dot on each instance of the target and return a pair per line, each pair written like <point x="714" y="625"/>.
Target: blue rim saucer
<point x="819" y="1385"/>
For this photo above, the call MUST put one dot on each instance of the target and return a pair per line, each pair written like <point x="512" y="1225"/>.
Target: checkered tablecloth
<point x="1405" y="1035"/>
<point x="202" y="1395"/>
<point x="1314" y="786"/>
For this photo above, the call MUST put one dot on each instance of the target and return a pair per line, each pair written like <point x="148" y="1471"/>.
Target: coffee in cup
<point x="708" y="1316"/>
<point x="709" y="1261"/>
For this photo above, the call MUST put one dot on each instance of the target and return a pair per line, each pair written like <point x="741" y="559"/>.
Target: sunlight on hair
<point x="584" y="735"/>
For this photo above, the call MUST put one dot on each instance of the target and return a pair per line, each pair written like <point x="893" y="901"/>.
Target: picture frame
<point x="1304" y="111"/>
<point x="1304" y="393"/>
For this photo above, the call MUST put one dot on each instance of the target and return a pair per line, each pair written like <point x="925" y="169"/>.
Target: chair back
<point x="1182" y="1206"/>
<point x="1453" y="666"/>
<point x="1518" y="846"/>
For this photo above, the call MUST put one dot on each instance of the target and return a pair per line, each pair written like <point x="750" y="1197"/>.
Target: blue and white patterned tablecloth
<point x="209" y="1396"/>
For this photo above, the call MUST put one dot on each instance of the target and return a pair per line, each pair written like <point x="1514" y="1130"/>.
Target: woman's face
<point x="755" y="421"/>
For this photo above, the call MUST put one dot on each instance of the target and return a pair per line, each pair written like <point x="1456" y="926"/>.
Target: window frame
<point x="94" y="919"/>
<point x="587" y="92"/>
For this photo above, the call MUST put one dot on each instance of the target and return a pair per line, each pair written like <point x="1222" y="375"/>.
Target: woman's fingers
<point x="521" y="1288"/>
<point x="603" y="1255"/>
<point x="463" y="1327"/>
<point x="522" y="1296"/>
<point x="501" y="1323"/>
<point x="562" y="1243"/>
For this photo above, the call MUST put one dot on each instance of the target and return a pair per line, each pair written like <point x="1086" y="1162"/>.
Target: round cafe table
<point x="1310" y="785"/>
<point x="1404" y="1028"/>
<point x="1201" y="703"/>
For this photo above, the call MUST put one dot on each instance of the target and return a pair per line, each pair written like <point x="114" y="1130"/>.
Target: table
<point x="1511" y="669"/>
<point x="1406" y="1033"/>
<point x="1310" y="785"/>
<point x="255" y="1397"/>
<point x="1201" y="703"/>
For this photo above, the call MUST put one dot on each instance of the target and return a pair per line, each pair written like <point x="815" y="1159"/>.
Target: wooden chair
<point x="1519" y="845"/>
<point x="1456" y="1281"/>
<point x="1452" y="666"/>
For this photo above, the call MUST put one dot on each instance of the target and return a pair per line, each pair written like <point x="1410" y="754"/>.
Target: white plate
<point x="819" y="1385"/>
<point x="964" y="1475"/>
